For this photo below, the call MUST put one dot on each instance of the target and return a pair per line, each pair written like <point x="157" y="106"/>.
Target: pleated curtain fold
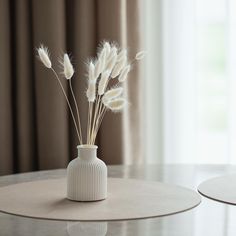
<point x="36" y="130"/>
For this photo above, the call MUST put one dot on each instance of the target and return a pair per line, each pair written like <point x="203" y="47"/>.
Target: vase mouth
<point x="87" y="146"/>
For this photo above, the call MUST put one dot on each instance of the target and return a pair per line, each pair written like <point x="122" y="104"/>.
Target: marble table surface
<point x="209" y="218"/>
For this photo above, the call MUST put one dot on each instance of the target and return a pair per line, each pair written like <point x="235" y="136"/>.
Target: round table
<point x="194" y="222"/>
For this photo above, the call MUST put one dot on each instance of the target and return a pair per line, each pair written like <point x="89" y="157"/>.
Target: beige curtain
<point x="36" y="131"/>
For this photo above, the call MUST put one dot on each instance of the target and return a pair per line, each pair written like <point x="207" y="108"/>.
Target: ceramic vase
<point x="87" y="176"/>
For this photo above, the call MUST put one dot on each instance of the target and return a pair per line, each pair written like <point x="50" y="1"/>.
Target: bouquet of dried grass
<point x="110" y="63"/>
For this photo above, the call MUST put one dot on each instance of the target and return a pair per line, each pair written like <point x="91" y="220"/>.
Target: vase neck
<point x="87" y="152"/>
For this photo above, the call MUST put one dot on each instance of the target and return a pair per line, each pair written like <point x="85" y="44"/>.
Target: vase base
<point x="96" y="200"/>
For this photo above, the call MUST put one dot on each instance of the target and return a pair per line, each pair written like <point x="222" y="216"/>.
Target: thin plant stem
<point x="77" y="109"/>
<point x="68" y="103"/>
<point x="91" y="117"/>
<point x="88" y="119"/>
<point x="95" y="116"/>
<point x="132" y="62"/>
<point x="103" y="112"/>
<point x="90" y="113"/>
<point x="97" y="120"/>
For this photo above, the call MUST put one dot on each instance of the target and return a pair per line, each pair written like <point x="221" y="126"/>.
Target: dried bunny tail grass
<point x="43" y="54"/>
<point x="98" y="68"/>
<point x="140" y="55"/>
<point x="102" y="57"/>
<point x="112" y="94"/>
<point x="112" y="54"/>
<point x="91" y="71"/>
<point x="107" y="48"/>
<point x="103" y="82"/>
<point x="68" y="68"/>
<point x="119" y="66"/>
<point x="116" y="105"/>
<point x="105" y="56"/>
<point x="110" y="65"/>
<point x="121" y="54"/>
<point x="91" y="91"/>
<point x="124" y="73"/>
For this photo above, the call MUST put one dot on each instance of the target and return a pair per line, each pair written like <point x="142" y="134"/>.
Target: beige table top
<point x="209" y="218"/>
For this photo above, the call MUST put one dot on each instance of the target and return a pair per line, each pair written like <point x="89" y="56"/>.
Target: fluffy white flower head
<point x="140" y="55"/>
<point x="103" y="82"/>
<point x="44" y="56"/>
<point x="112" y="94"/>
<point x="116" y="105"/>
<point x="124" y="73"/>
<point x="68" y="68"/>
<point x="91" y="91"/>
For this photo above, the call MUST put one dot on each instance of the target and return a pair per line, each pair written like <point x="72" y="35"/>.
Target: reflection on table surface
<point x="209" y="218"/>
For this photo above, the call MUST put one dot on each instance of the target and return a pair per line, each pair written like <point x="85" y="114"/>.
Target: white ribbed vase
<point x="87" y="176"/>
